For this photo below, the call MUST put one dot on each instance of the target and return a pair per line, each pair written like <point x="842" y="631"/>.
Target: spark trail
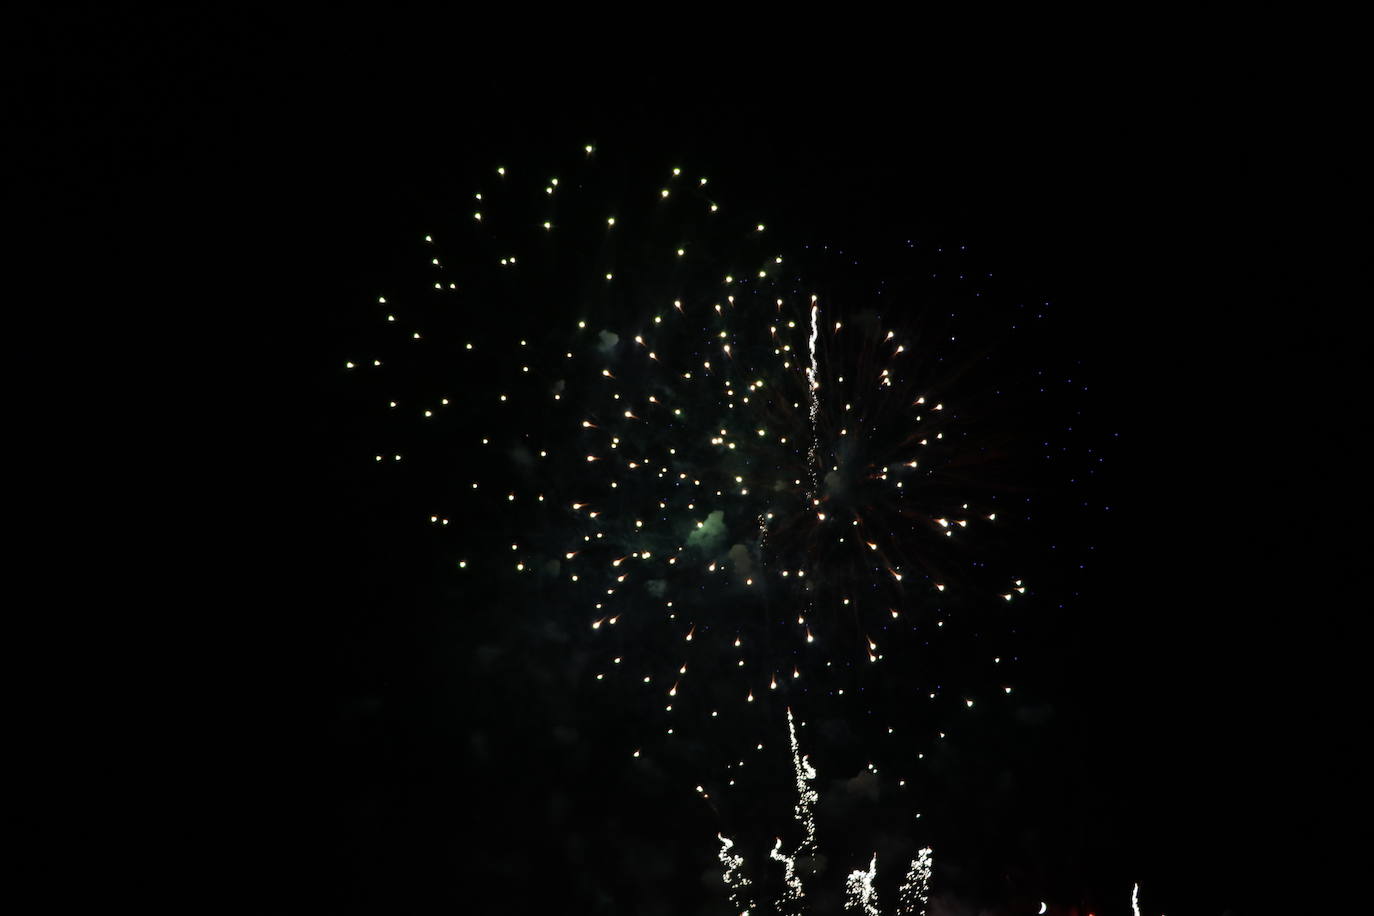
<point x="860" y="894"/>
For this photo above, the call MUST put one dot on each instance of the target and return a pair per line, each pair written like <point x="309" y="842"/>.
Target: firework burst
<point x="737" y="471"/>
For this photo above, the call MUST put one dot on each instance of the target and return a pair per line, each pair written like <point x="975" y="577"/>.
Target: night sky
<point x="1159" y="708"/>
<point x="449" y="783"/>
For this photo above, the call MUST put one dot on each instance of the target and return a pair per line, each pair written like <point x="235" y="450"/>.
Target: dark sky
<point x="1158" y="214"/>
<point x="1137" y="219"/>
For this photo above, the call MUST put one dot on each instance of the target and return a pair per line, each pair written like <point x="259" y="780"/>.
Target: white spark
<point x="915" y="890"/>
<point x="736" y="882"/>
<point x="859" y="892"/>
<point x="815" y="405"/>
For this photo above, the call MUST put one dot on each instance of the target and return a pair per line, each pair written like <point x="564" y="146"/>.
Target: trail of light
<point x="806" y="795"/>
<point x="794" y="892"/>
<point x="736" y="882"/>
<point x="804" y="811"/>
<point x="815" y="404"/>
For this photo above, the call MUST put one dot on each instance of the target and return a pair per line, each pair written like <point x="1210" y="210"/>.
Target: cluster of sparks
<point x="706" y="496"/>
<point x="914" y="893"/>
<point x="735" y="880"/>
<point x="860" y="894"/>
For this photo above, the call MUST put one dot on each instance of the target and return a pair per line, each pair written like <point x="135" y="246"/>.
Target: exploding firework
<point x="738" y="471"/>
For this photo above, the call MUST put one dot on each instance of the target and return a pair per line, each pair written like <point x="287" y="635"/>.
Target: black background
<point x="281" y="175"/>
